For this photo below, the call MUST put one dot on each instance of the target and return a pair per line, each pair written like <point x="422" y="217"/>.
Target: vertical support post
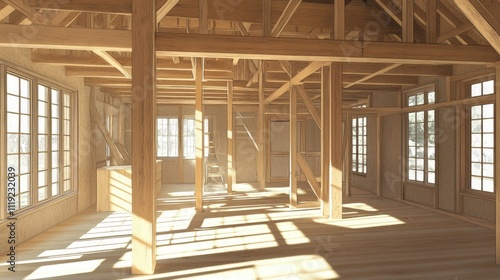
<point x="143" y="137"/>
<point x="325" y="141"/>
<point x="266" y="18"/>
<point x="497" y="161"/>
<point x="431" y="24"/>
<point x="348" y="156"/>
<point x="261" y="171"/>
<point x="230" y="136"/>
<point x="293" y="147"/>
<point x="408" y="22"/>
<point x="3" y="141"/>
<point x="180" y="159"/>
<point x="379" y="155"/>
<point x="339" y="18"/>
<point x="336" y="141"/>
<point x="199" y="136"/>
<point x="203" y="16"/>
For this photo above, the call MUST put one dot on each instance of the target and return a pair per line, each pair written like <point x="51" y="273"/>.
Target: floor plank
<point x="255" y="235"/>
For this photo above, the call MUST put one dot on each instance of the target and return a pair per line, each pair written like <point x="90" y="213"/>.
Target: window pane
<point x="476" y="90"/>
<point x="488" y="185"/>
<point x="488" y="87"/>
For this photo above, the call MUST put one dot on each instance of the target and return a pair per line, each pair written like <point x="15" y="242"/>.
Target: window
<point x="482" y="140"/>
<point x="168" y="137"/>
<point x="359" y="145"/>
<point x="38" y="139"/>
<point x="421" y="152"/>
<point x="189" y="138"/>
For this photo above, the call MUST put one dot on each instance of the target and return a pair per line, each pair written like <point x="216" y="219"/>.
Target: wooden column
<point x="431" y="23"/>
<point x="339" y="17"/>
<point x="408" y="22"/>
<point x="348" y="154"/>
<point x="199" y="135"/>
<point x="497" y="161"/>
<point x="266" y="18"/>
<point x="325" y="141"/>
<point x="261" y="170"/>
<point x="230" y="139"/>
<point x="293" y="147"/>
<point x="336" y="141"/>
<point x="379" y="155"/>
<point x="143" y="137"/>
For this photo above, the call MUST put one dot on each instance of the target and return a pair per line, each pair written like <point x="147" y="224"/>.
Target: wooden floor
<point x="254" y="235"/>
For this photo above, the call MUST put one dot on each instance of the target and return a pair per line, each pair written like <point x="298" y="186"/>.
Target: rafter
<point x="6" y="11"/>
<point x="163" y="10"/>
<point x="285" y="17"/>
<point x="31" y="14"/>
<point x="381" y="71"/>
<point x="113" y="62"/>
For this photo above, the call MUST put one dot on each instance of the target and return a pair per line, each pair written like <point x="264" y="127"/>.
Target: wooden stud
<point x="287" y="14"/>
<point x="408" y="21"/>
<point x="336" y="141"/>
<point x="379" y="156"/>
<point x="199" y="122"/>
<point x="310" y="105"/>
<point x="325" y="141"/>
<point x="230" y="137"/>
<point x="203" y="16"/>
<point x="163" y="10"/>
<point x="143" y="138"/>
<point x="339" y="17"/>
<point x="113" y="62"/>
<point x="266" y="18"/>
<point x="311" y="179"/>
<point x="293" y="147"/>
<point x="455" y="32"/>
<point x="431" y="22"/>
<point x="261" y="169"/>
<point x="115" y="152"/>
<point x="180" y="161"/>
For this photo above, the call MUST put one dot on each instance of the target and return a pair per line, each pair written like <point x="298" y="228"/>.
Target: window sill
<point x="479" y="195"/>
<point x="417" y="184"/>
<point x="19" y="214"/>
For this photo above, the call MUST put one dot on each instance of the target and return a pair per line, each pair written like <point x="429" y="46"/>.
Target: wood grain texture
<point x="325" y="140"/>
<point x="497" y="160"/>
<point x="336" y="157"/>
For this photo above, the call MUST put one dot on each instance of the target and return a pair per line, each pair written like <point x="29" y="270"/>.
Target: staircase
<point x="213" y="172"/>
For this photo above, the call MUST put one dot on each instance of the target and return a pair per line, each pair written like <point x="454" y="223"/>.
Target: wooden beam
<point x="266" y="18"/>
<point x="336" y="141"/>
<point x="163" y="10"/>
<point x="408" y="21"/>
<point x="123" y="7"/>
<point x="6" y="11"/>
<point x="455" y="32"/>
<point x="410" y="70"/>
<point x="378" y="148"/>
<point x="199" y="122"/>
<point x="489" y="30"/>
<point x="348" y="154"/>
<point x="203" y="16"/>
<point x="143" y="137"/>
<point x="115" y="152"/>
<point x="339" y="18"/>
<point x="261" y="168"/>
<point x="285" y="17"/>
<point x="325" y="141"/>
<point x="431" y="21"/>
<point x="382" y="71"/>
<point x="113" y="62"/>
<point x="293" y="146"/>
<point x="31" y="14"/>
<point x="311" y="179"/>
<point x="217" y="46"/>
<point x="308" y="70"/>
<point x="310" y="105"/>
<point x="230" y="138"/>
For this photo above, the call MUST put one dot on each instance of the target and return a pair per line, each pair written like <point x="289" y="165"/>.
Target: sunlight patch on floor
<point x="65" y="269"/>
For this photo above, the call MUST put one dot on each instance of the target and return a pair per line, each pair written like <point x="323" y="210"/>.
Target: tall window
<point x="19" y="136"/>
<point x="38" y="139"/>
<point x="359" y="145"/>
<point x="168" y="137"/>
<point x="189" y="138"/>
<point x="482" y="140"/>
<point x="421" y="151"/>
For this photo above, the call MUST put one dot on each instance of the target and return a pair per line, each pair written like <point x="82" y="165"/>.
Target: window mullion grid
<point x="34" y="142"/>
<point x="60" y="184"/>
<point x="49" y="143"/>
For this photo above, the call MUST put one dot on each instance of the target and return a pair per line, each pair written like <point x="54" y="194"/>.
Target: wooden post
<point x="348" y="156"/>
<point x="261" y="171"/>
<point x="143" y="137"/>
<point x="199" y="135"/>
<point x="336" y="141"/>
<point x="230" y="135"/>
<point x="339" y="17"/>
<point x="180" y="150"/>
<point x="293" y="147"/>
<point x="3" y="140"/>
<point x="408" y="22"/>
<point x="325" y="141"/>
<point x="431" y="24"/>
<point x="497" y="161"/>
<point x="379" y="156"/>
<point x="266" y="18"/>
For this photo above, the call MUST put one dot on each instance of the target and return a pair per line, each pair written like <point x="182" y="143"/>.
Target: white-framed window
<point x="38" y="138"/>
<point x="189" y="138"/>
<point x="482" y="140"/>
<point x="359" y="145"/>
<point x="168" y="137"/>
<point x="421" y="138"/>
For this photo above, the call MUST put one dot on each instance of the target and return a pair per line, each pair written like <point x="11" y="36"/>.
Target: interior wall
<point x="31" y="223"/>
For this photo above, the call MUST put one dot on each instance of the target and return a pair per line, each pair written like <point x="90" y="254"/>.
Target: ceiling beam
<point x="163" y="10"/>
<point x="285" y="17"/>
<point x="31" y="14"/>
<point x="381" y="71"/>
<point x="478" y="15"/>
<point x="6" y="11"/>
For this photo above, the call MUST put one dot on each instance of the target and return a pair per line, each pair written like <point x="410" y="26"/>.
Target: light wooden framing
<point x="336" y="141"/>
<point x="199" y="123"/>
<point x="325" y="141"/>
<point x="293" y="147"/>
<point x="144" y="138"/>
<point x="230" y="138"/>
<point x="408" y="21"/>
<point x="261" y="168"/>
<point x="287" y="14"/>
<point x="348" y="153"/>
<point x="497" y="161"/>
